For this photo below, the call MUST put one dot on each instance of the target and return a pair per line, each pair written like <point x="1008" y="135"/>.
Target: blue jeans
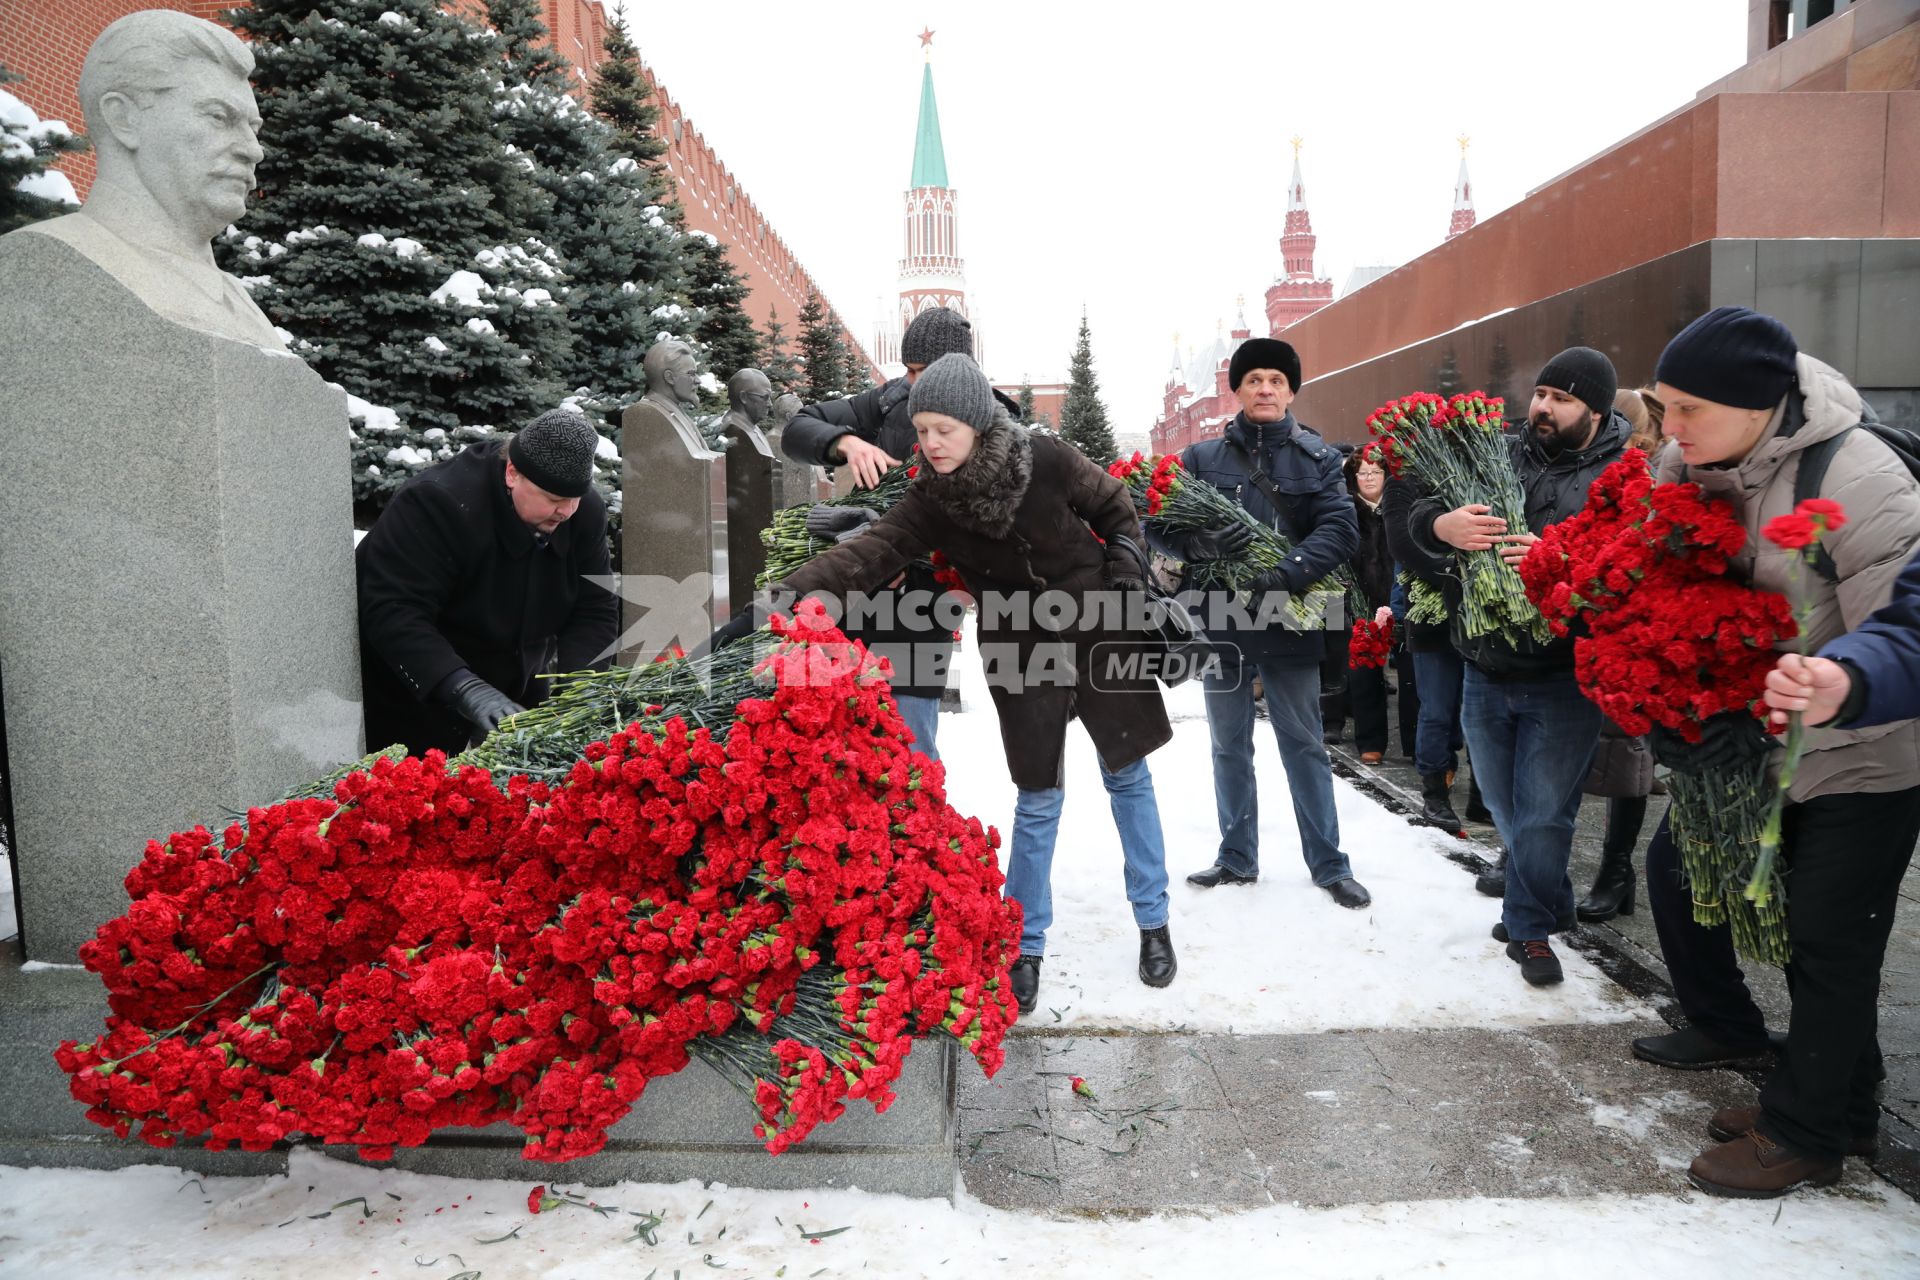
<point x="923" y="718"/>
<point x="1532" y="742"/>
<point x="1437" y="738"/>
<point x="1036" y="822"/>
<point x="1293" y="704"/>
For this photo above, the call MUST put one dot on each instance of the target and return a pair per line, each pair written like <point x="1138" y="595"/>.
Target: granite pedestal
<point x="749" y="508"/>
<point x="177" y="617"/>
<point x="673" y="528"/>
<point x="689" y="1125"/>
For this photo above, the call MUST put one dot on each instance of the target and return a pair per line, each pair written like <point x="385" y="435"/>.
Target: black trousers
<point x="1845" y="856"/>
<point x="1408" y="698"/>
<point x="1361" y="693"/>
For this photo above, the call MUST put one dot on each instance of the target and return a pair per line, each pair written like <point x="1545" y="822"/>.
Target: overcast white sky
<point x="1134" y="159"/>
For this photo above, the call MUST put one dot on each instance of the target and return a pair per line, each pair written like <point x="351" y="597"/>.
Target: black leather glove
<point x="836" y="524"/>
<point x="477" y="702"/>
<point x="1223" y="543"/>
<point x="746" y="620"/>
<point x="1727" y="740"/>
<point x="1274" y="579"/>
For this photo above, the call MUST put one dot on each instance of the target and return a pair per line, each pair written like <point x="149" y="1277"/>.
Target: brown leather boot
<point x="1730" y="1123"/>
<point x="1755" y="1167"/>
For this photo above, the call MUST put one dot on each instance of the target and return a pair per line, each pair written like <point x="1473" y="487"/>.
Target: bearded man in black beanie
<point x="1530" y="732"/>
<point x="867" y="433"/>
<point x="473" y="586"/>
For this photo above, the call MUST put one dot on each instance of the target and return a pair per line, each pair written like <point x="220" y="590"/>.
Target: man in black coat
<point x="474" y="584"/>
<point x="1530" y="730"/>
<point x="1289" y="479"/>
<point x="869" y="433"/>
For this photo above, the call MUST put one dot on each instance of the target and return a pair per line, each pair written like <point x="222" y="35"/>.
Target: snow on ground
<point x="166" y="1223"/>
<point x="1277" y="956"/>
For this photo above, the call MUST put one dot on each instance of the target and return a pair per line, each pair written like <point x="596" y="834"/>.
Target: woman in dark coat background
<point x="1364" y="689"/>
<point x="1019" y="515"/>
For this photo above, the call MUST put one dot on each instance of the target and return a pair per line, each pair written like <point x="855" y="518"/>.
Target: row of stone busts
<point x="688" y="509"/>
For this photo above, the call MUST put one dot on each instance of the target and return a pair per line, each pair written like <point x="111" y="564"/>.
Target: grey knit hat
<point x="935" y="333"/>
<point x="555" y="451"/>
<point x="954" y="385"/>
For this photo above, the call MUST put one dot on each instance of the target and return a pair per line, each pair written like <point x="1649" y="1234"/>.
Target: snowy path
<point x="1276" y="956"/>
<point x="166" y="1224"/>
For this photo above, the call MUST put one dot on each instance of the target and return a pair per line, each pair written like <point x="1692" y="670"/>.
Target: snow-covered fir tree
<point x="607" y="221"/>
<point x="725" y="332"/>
<point x="30" y="188"/>
<point x="1083" y="418"/>
<point x="777" y="359"/>
<point x="620" y="96"/>
<point x="395" y="236"/>
<point x="1025" y="401"/>
<point x="859" y="375"/>
<point x="823" y="360"/>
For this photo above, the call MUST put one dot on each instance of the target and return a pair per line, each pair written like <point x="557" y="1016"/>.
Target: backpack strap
<point x="1261" y="480"/>
<point x="1812" y="473"/>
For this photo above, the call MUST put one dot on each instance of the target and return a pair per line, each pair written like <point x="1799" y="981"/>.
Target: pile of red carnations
<point x="784" y="892"/>
<point x="1371" y="644"/>
<point x="1456" y="450"/>
<point x="1667" y="639"/>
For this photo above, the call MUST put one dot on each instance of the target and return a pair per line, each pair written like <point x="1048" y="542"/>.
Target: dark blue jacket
<point x="1884" y="653"/>
<point x="1319" y="519"/>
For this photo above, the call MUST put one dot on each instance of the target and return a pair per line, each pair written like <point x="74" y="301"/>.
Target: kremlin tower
<point x="931" y="270"/>
<point x="1463" y="215"/>
<point x="1297" y="293"/>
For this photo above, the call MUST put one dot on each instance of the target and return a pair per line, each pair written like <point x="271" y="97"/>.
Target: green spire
<point x="929" y="157"/>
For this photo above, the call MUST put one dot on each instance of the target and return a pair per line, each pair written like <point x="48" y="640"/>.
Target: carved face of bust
<point x="755" y="402"/>
<point x="681" y="380"/>
<point x="194" y="146"/>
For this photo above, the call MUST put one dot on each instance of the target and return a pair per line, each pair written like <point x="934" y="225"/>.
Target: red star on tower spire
<point x="926" y="37"/>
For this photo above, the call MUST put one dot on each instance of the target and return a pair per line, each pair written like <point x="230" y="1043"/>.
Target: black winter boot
<point x="1612" y="892"/>
<point x="1025" y="975"/>
<point x="1493" y="884"/>
<point x="1157" y="961"/>
<point x="1436" y="806"/>
<point x="1477" y="810"/>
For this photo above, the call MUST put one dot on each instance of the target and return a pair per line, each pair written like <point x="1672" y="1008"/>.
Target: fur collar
<point x="985" y="491"/>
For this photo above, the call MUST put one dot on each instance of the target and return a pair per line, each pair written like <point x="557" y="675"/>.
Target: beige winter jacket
<point x="1882" y="503"/>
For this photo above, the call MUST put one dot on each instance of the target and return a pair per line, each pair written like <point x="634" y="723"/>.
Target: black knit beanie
<point x="1586" y="375"/>
<point x="954" y="385"/>
<point x="934" y="333"/>
<point x="555" y="451"/>
<point x="1264" y="353"/>
<point x="1731" y="356"/>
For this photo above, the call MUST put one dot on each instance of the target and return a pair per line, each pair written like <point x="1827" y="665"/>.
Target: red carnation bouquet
<point x="1455" y="448"/>
<point x="734" y="859"/>
<point x="1371" y="644"/>
<point x="1799" y="532"/>
<point x="1164" y="498"/>
<point x="1666" y="638"/>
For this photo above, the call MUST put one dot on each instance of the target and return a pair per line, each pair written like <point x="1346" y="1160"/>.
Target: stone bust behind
<point x="749" y="396"/>
<point x="673" y="384"/>
<point x="174" y="129"/>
